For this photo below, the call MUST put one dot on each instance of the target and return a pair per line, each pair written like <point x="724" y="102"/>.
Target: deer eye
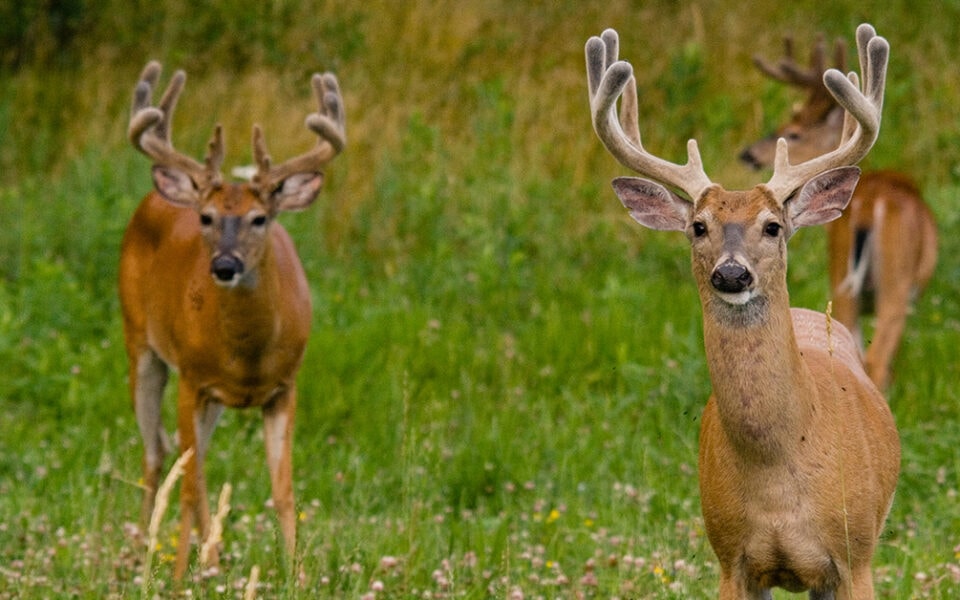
<point x="699" y="229"/>
<point x="772" y="229"/>
<point x="259" y="221"/>
<point x="206" y="220"/>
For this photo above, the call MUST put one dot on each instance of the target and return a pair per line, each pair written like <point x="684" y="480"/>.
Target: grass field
<point x="502" y="390"/>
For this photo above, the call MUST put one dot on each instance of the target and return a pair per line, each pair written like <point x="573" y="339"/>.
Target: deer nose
<point x="747" y="157"/>
<point x="731" y="277"/>
<point x="226" y="267"/>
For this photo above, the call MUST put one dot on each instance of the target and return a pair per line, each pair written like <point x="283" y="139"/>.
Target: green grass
<point x="502" y="389"/>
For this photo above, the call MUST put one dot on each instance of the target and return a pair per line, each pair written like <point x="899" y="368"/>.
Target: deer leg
<point x="897" y="256"/>
<point x="736" y="588"/>
<point x="148" y="377"/>
<point x="208" y="414"/>
<point x="195" y="419"/>
<point x="278" y="435"/>
<point x="892" y="308"/>
<point x="859" y="587"/>
<point x="845" y="288"/>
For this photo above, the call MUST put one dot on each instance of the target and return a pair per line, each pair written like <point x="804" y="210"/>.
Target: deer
<point x="883" y="248"/>
<point x="211" y="286"/>
<point x="798" y="451"/>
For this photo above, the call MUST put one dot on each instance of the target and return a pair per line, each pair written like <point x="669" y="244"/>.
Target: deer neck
<point x="761" y="385"/>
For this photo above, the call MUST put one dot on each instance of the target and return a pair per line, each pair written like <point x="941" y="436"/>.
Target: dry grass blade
<point x="216" y="525"/>
<point x="829" y="315"/>
<point x="250" y="592"/>
<point x="159" y="508"/>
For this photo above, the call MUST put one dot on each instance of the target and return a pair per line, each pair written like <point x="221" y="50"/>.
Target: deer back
<point x="892" y="204"/>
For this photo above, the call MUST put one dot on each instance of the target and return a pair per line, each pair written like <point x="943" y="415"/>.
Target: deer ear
<point x="176" y="186"/>
<point x="823" y="198"/>
<point x="297" y="191"/>
<point x="651" y="204"/>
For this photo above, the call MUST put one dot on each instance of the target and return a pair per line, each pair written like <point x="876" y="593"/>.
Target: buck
<point x="799" y="455"/>
<point x="883" y="249"/>
<point x="211" y="286"/>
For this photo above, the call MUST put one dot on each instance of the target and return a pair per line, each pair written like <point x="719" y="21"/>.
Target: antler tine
<point x="818" y="56"/>
<point x="150" y="127"/>
<point x="809" y="77"/>
<point x="151" y="73"/>
<point x="630" y="112"/>
<point x="168" y="103"/>
<point x="789" y="71"/>
<point x="607" y="80"/>
<point x="865" y="33"/>
<point x="329" y="123"/>
<point x="775" y="71"/>
<point x="142" y="115"/>
<point x="861" y="123"/>
<point x="260" y="154"/>
<point x="629" y="109"/>
<point x="214" y="158"/>
<point x="840" y="54"/>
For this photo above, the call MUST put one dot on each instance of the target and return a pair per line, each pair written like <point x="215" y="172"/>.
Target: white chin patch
<point x="229" y="283"/>
<point x="739" y="299"/>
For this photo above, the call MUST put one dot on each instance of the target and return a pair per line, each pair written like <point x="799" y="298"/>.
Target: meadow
<point x="502" y="389"/>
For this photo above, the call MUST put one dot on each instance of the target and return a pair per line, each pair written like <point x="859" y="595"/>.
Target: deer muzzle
<point x="750" y="159"/>
<point x="731" y="277"/>
<point x="226" y="269"/>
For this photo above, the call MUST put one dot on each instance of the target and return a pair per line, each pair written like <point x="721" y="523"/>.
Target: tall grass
<point x="503" y="384"/>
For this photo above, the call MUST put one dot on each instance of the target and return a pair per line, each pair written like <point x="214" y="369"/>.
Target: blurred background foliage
<point x="68" y="67"/>
<point x="496" y="89"/>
